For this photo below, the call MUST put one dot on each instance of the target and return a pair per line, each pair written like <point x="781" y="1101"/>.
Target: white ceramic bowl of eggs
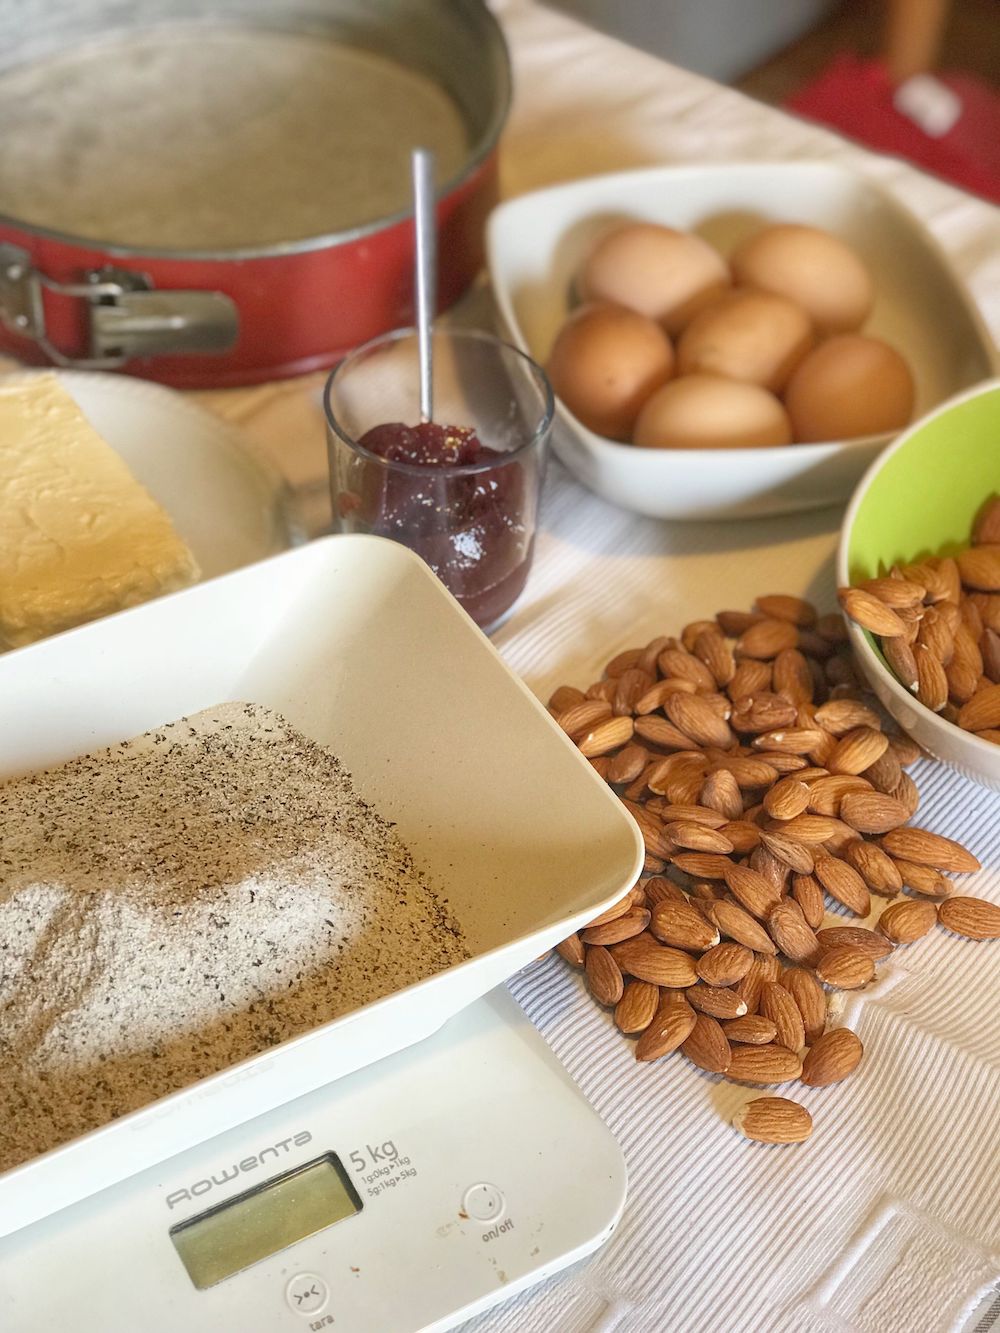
<point x="731" y="341"/>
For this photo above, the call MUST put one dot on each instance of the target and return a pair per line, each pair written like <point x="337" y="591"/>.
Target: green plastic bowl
<point x="919" y="498"/>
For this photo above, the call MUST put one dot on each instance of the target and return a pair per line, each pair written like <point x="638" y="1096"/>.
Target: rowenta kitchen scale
<point x="409" y="1195"/>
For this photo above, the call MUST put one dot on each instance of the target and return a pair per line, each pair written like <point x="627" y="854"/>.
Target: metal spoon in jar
<point x="425" y="271"/>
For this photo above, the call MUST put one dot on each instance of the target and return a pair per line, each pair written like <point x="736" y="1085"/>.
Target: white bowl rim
<point x="859" y="640"/>
<point x="815" y="451"/>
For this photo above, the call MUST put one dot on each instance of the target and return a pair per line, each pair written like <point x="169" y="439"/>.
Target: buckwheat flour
<point x="181" y="901"/>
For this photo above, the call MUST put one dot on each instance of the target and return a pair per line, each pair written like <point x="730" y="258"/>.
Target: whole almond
<point x="907" y="921"/>
<point x="763" y="1064"/>
<point x="869" y="612"/>
<point x="657" y="694"/>
<point x="711" y="648"/>
<point x="750" y="677"/>
<point x="750" y="1030"/>
<point x="765" y="967"/>
<point x="721" y="792"/>
<point x="621" y="928"/>
<point x="603" y="976"/>
<point x="743" y="835"/>
<point x="832" y="628"/>
<point x="810" y="1000"/>
<point x="906" y="750"/>
<point x="748" y="771"/>
<point x="906" y="794"/>
<point x="807" y="893"/>
<point x="923" y="879"/>
<point x="792" y="676"/>
<point x="773" y="1120"/>
<point x="618" y="908"/>
<point x="843" y="882"/>
<point x="648" y="960"/>
<point x="737" y="924"/>
<point x="698" y="838"/>
<point x="767" y="638"/>
<point x="669" y="1028"/>
<point x="854" y="937"/>
<point x="895" y="592"/>
<point x="660" y="890"/>
<point x="652" y="650"/>
<point x="936" y="634"/>
<point x="932" y="683"/>
<point x="762" y="712"/>
<point x="632" y="685"/>
<point x="696" y="717"/>
<point x="658" y="731"/>
<point x="841" y="716"/>
<point x="857" y="750"/>
<point x="627" y="764"/>
<point x="683" y="926"/>
<point x="790" y="740"/>
<point x="751" y="889"/>
<point x="791" y="932"/>
<point x="716" y="1001"/>
<point x="707" y="1046"/>
<point x="872" y="812"/>
<point x="990" y="651"/>
<point x="571" y="948"/>
<point x="902" y="662"/>
<point x="635" y="1010"/>
<point x="845" y="968"/>
<point x="982" y="711"/>
<point x="782" y="606"/>
<point x="986" y="529"/>
<point x="979" y="568"/>
<point x="724" y="964"/>
<point x="679" y="662"/>
<point x="929" y="849"/>
<point x="582" y="717"/>
<point x="826" y="794"/>
<point x="777" y="873"/>
<point x="777" y="1004"/>
<point x="787" y="798"/>
<point x="702" y="865"/>
<point x="563" y="698"/>
<point x="607" y="735"/>
<point x="876" y="867"/>
<point x="975" y="918"/>
<point x="963" y="680"/>
<point x="813" y="828"/>
<point x="832" y="1057"/>
<point x="690" y="814"/>
<point x="734" y="623"/>
<point x="885" y="774"/>
<point x="622" y="662"/>
<point x="794" y="854"/>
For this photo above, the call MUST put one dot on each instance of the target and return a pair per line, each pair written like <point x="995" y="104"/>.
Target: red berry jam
<point x="467" y="519"/>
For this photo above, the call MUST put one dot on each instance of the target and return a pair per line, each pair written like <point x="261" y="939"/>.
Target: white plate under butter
<point x="358" y="645"/>
<point x="227" y="504"/>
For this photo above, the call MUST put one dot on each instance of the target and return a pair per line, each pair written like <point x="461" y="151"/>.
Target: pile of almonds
<point x="764" y="785"/>
<point x="938" y="624"/>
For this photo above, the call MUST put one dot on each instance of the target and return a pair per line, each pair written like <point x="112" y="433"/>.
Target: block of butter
<point x="79" y="536"/>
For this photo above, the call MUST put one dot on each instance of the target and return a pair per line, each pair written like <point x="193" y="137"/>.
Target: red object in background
<point x="855" y="96"/>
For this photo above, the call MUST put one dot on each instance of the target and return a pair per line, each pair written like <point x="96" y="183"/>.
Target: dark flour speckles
<point x="182" y="901"/>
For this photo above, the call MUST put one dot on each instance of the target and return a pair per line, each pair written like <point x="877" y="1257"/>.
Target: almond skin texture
<point x="928" y="849"/>
<point x="796" y="855"/>
<point x="750" y="1030"/>
<point x="975" y="918"/>
<point x="807" y="893"/>
<point x="780" y="606"/>
<point x="831" y="1058"/>
<point x="787" y="798"/>
<point x="648" y="960"/>
<point x="855" y="937"/>
<point x="724" y="965"/>
<point x="876" y="867"/>
<point x="698" y="838"/>
<point x="869" y="612"/>
<point x="763" y="1064"/>
<point x="810" y="1000"/>
<point x="773" y="1120"/>
<point x="764" y="968"/>
<point x="603" y="976"/>
<point x="845" y="968"/>
<point x="923" y="879"/>
<point x="844" y="883"/>
<point x="621" y="928"/>
<point x="777" y="1004"/>
<point x="791" y="932"/>
<point x="767" y="638"/>
<point x="606" y="736"/>
<point x="857" y="750"/>
<point x="980" y="567"/>
<point x="635" y="1010"/>
<point x="669" y="1029"/>
<point x="572" y="950"/>
<point x="751" y="889"/>
<point x="826" y="794"/>
<point x="707" y="1046"/>
<point x="907" y="921"/>
<point x="682" y="926"/>
<point x="737" y="924"/>
<point x="872" y="812"/>
<point x="716" y="1001"/>
<point x="982" y="711"/>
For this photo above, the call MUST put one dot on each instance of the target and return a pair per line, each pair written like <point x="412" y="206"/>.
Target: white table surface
<point x="887" y="1219"/>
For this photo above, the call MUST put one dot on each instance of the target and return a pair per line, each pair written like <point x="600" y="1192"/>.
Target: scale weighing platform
<point x="407" y="1196"/>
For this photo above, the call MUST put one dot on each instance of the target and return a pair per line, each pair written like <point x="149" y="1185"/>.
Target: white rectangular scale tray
<point x="357" y="644"/>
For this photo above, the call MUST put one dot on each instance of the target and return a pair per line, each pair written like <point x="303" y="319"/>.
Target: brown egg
<point x="747" y="335"/>
<point x="605" y="363"/>
<point x="666" y="274"/>
<point x="817" y="271"/>
<point x="849" y="386"/>
<point x="709" y="412"/>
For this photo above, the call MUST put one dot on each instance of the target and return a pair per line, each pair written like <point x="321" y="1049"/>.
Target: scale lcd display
<point x="261" y="1221"/>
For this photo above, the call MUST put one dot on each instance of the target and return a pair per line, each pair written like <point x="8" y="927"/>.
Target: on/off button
<point x="484" y="1202"/>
